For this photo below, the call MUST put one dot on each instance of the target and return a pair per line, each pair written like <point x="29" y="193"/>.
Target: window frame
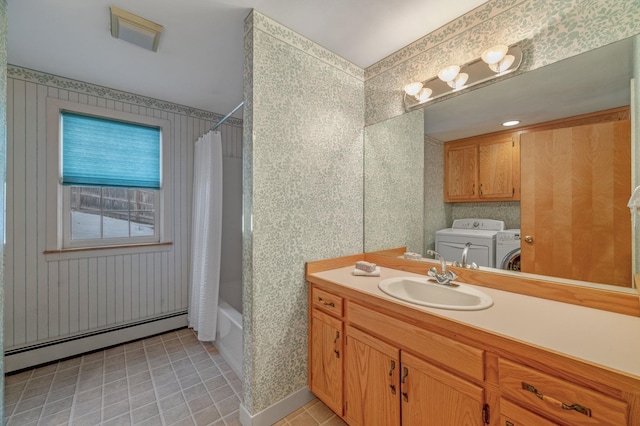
<point x="57" y="194"/>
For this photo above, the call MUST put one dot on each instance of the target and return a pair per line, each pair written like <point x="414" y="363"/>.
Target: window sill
<point x="86" y="252"/>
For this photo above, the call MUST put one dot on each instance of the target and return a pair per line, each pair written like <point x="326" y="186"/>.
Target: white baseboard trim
<point x="53" y="351"/>
<point x="277" y="411"/>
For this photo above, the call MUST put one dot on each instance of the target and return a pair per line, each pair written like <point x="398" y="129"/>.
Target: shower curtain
<point x="206" y="235"/>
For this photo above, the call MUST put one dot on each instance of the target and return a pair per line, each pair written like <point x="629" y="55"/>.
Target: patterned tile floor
<point x="170" y="379"/>
<point x="312" y="414"/>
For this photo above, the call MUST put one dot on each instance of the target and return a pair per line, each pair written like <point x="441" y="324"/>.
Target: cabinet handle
<point x="473" y="189"/>
<point x="337" y="352"/>
<point x="391" y="385"/>
<point x="480" y="189"/>
<point x="326" y="303"/>
<point x="405" y="373"/>
<point x="528" y="239"/>
<point x="576" y="407"/>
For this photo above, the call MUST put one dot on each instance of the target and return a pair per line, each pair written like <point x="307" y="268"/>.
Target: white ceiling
<point x="200" y="55"/>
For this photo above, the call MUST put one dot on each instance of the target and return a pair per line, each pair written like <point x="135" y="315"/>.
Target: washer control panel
<point x="479" y="224"/>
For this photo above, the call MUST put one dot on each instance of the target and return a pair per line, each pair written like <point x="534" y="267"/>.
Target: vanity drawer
<point x="326" y="301"/>
<point x="459" y="357"/>
<point x="558" y="399"/>
<point x="513" y="415"/>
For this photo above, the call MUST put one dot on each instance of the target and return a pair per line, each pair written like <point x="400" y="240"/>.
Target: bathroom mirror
<point x="594" y="81"/>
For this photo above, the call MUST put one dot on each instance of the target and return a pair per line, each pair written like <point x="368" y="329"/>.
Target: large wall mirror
<point x="594" y="81"/>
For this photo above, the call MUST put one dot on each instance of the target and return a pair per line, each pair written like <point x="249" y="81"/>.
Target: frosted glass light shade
<point x="494" y="54"/>
<point x="449" y="73"/>
<point x="412" y="89"/>
<point x="459" y="81"/>
<point x="424" y="94"/>
<point x="503" y="65"/>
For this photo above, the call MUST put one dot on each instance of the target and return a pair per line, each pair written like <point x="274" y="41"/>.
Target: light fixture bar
<point x="451" y="78"/>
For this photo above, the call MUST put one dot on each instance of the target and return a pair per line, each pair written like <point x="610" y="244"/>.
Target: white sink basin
<point x="422" y="291"/>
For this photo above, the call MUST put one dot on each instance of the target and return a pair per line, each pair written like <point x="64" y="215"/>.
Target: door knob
<point x="528" y="239"/>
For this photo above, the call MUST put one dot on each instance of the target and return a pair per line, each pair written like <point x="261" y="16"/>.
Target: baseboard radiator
<point x="28" y="356"/>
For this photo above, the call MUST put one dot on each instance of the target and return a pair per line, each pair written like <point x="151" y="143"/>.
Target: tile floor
<point x="314" y="413"/>
<point x="170" y="379"/>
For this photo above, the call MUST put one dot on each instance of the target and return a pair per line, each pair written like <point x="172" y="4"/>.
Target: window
<point x="112" y="182"/>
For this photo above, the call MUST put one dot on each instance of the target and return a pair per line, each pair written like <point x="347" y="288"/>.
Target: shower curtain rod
<point x="215" y="126"/>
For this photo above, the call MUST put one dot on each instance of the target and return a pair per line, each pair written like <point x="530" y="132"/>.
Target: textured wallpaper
<point x="547" y="31"/>
<point x="394" y="184"/>
<point x="303" y="190"/>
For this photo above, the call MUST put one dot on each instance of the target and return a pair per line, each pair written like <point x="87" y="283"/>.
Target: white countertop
<point x="603" y="338"/>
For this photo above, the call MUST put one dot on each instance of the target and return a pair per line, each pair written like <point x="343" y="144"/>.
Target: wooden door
<point x="326" y="359"/>
<point x="461" y="172"/>
<point x="576" y="183"/>
<point x="495" y="168"/>
<point x="372" y="387"/>
<point x="432" y="396"/>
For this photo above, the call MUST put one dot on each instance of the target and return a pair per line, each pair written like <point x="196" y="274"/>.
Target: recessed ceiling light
<point x="135" y="29"/>
<point x="511" y="123"/>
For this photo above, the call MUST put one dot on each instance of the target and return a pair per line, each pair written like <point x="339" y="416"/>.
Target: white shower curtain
<point x="206" y="235"/>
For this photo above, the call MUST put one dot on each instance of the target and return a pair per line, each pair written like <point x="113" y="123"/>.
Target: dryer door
<point x="511" y="261"/>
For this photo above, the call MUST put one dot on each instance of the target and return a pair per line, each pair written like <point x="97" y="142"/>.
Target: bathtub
<point x="229" y="336"/>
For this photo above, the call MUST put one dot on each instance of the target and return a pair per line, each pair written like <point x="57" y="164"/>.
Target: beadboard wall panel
<point x="47" y="298"/>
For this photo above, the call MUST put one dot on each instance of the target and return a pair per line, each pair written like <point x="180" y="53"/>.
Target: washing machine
<point x="508" y="249"/>
<point x="480" y="234"/>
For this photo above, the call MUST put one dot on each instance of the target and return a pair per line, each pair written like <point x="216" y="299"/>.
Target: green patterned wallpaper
<point x="394" y="184"/>
<point x="303" y="173"/>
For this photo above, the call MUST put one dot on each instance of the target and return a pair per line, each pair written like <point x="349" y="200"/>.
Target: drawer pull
<point x="576" y="407"/>
<point x="333" y="305"/>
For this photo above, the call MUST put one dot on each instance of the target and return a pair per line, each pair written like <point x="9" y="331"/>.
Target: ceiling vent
<point x="135" y="29"/>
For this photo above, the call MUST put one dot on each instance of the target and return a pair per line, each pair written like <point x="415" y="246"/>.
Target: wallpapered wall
<point x="547" y="31"/>
<point x="303" y="154"/>
<point x="394" y="184"/>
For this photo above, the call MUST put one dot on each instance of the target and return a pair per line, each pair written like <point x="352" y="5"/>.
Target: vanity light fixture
<point x="134" y="29"/>
<point x="501" y="59"/>
<point x="511" y="123"/>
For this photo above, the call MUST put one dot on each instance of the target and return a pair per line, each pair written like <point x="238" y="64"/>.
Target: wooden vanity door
<point x="326" y="361"/>
<point x="432" y="396"/>
<point x="372" y="381"/>
<point x="576" y="182"/>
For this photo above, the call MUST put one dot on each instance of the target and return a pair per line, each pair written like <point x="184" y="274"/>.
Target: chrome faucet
<point x="444" y="277"/>
<point x="464" y="264"/>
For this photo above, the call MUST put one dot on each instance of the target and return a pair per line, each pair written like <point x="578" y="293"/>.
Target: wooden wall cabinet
<point x="485" y="168"/>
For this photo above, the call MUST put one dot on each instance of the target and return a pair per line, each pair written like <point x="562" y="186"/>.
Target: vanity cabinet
<point x="485" y="168"/>
<point x="375" y="361"/>
<point x="326" y="349"/>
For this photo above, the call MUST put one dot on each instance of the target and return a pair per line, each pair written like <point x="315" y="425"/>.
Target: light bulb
<point x="449" y="73"/>
<point x="412" y="89"/>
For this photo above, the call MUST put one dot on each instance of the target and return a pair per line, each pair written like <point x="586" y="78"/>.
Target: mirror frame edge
<point x="602" y="299"/>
